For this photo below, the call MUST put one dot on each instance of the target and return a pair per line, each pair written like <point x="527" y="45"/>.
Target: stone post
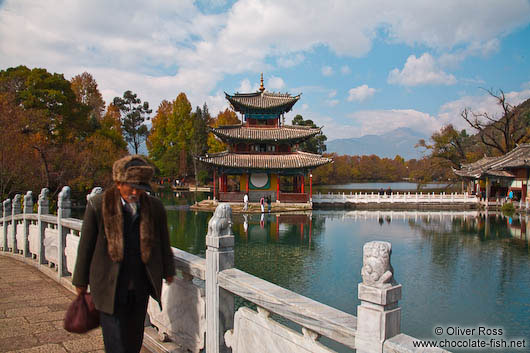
<point x="28" y="208"/>
<point x="43" y="209"/>
<point x="219" y="257"/>
<point x="63" y="211"/>
<point x="94" y="192"/>
<point x="15" y="210"/>
<point x="7" y="212"/>
<point x="378" y="316"/>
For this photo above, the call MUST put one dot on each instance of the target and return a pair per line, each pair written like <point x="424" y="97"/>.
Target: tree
<point x="199" y="141"/>
<point x="50" y="117"/>
<point x="225" y="118"/>
<point x="450" y="145"/>
<point x="500" y="134"/>
<point x="316" y="144"/>
<point x="171" y="136"/>
<point x="86" y="91"/>
<point x="133" y="116"/>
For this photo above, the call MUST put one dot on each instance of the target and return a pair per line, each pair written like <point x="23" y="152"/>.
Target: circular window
<point x="259" y="180"/>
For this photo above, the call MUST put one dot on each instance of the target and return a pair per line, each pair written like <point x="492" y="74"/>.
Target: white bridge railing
<point x="199" y="305"/>
<point x="396" y="197"/>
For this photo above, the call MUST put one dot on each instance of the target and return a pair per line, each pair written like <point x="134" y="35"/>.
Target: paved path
<point x="32" y="308"/>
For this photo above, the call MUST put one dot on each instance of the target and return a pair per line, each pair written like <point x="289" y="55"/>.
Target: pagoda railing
<point x="199" y="306"/>
<point x="294" y="197"/>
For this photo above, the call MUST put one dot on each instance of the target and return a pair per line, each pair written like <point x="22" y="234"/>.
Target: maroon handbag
<point x="81" y="316"/>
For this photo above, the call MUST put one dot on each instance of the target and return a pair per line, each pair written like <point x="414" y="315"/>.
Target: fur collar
<point x="112" y="211"/>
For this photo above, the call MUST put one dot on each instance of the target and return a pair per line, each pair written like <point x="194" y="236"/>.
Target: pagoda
<point x="262" y="149"/>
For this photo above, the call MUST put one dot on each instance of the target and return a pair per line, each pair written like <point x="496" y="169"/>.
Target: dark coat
<point x="101" y="247"/>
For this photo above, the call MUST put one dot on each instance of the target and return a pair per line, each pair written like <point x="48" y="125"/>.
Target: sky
<point x="362" y="67"/>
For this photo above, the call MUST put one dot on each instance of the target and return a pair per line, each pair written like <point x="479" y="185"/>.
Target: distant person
<point x="269" y="203"/>
<point x="245" y="200"/>
<point x="262" y="204"/>
<point x="381" y="191"/>
<point x="510" y="195"/>
<point x="389" y="191"/>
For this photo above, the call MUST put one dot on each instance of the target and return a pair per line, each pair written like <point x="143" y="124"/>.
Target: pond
<point x="457" y="269"/>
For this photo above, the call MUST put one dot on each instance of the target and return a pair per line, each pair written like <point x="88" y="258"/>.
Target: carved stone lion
<point x="219" y="224"/>
<point x="377" y="270"/>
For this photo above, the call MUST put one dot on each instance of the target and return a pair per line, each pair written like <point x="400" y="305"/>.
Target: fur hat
<point x="133" y="169"/>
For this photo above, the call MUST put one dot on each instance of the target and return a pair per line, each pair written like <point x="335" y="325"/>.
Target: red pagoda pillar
<point x="248" y="177"/>
<point x="302" y="182"/>
<point x="278" y="187"/>
<point x="214" y="177"/>
<point x="310" y="188"/>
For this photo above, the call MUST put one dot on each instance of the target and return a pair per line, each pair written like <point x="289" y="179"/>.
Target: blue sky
<point x="363" y="67"/>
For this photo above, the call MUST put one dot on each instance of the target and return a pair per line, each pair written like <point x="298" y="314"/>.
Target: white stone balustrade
<point x="199" y="306"/>
<point x="396" y="197"/>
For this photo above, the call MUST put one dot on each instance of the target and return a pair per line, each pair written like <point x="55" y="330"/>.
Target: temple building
<point x="495" y="177"/>
<point x="262" y="150"/>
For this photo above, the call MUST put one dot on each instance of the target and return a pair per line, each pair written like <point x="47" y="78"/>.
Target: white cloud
<point x="327" y="70"/>
<point x="345" y="70"/>
<point x="290" y="60"/>
<point x="420" y="71"/>
<point x="360" y="93"/>
<point x="378" y="122"/>
<point x="245" y="86"/>
<point x="171" y="46"/>
<point x="332" y="93"/>
<point x="332" y="102"/>
<point x="275" y="83"/>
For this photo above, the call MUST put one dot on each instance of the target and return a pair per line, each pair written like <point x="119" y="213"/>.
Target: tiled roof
<point x="496" y="166"/>
<point x="262" y="101"/>
<point x="294" y="160"/>
<point x="272" y="134"/>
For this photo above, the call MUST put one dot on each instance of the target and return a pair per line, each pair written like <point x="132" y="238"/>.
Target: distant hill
<point x="399" y="141"/>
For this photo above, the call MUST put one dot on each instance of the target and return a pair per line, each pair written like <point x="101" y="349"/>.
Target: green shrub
<point x="508" y="208"/>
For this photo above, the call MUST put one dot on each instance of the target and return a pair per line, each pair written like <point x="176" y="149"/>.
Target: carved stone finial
<point x="43" y="196"/>
<point x="43" y="201"/>
<point x="7" y="207"/>
<point x="64" y="204"/>
<point x="28" y="202"/>
<point x="219" y="224"/>
<point x="16" y="205"/>
<point x="94" y="192"/>
<point x="377" y="270"/>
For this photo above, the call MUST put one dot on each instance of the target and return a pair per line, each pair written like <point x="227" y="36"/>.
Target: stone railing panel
<point x="320" y="318"/>
<point x="70" y="250"/>
<point x="51" y="243"/>
<point x="20" y="235"/>
<point x="183" y="318"/>
<point x="34" y="239"/>
<point x="10" y="238"/>
<point x="257" y="332"/>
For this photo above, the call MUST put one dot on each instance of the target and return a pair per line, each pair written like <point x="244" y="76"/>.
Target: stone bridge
<point x="199" y="312"/>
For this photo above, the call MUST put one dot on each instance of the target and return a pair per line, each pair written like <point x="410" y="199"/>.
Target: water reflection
<point x="456" y="268"/>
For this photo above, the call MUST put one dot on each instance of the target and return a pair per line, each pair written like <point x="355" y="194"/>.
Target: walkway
<point x="32" y="308"/>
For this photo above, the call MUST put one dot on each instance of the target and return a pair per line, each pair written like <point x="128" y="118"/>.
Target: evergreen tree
<point x="316" y="144"/>
<point x="133" y="116"/>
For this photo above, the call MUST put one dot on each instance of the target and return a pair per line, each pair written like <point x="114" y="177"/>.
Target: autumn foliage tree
<point x="224" y="118"/>
<point x="173" y="138"/>
<point x="50" y="138"/>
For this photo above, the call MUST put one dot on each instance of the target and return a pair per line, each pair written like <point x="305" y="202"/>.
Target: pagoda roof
<point x="262" y="101"/>
<point x="261" y="161"/>
<point x="519" y="157"/>
<point x="292" y="133"/>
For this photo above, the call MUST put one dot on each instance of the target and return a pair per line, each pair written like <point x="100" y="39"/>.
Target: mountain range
<point x="400" y="141"/>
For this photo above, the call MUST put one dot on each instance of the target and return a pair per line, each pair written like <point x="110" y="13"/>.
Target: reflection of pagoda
<point x="262" y="149"/>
